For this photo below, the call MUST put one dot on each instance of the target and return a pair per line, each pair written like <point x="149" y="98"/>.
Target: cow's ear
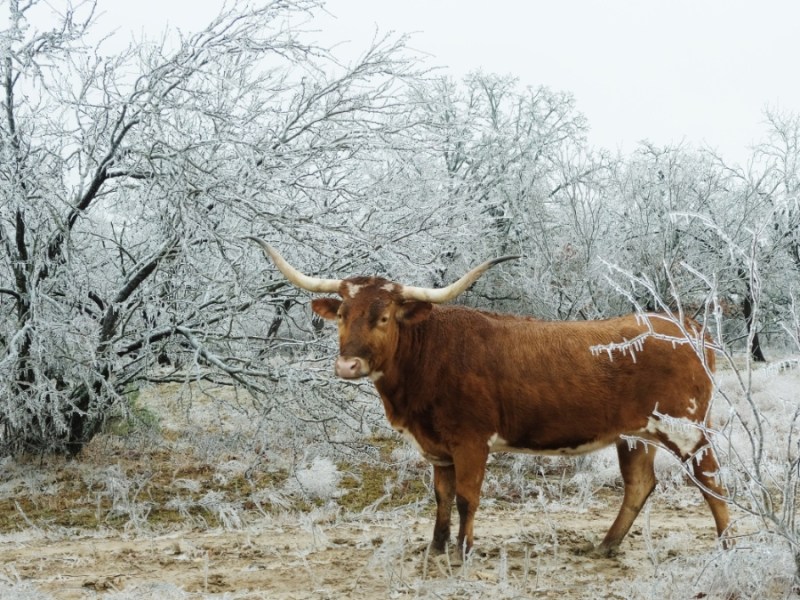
<point x="327" y="308"/>
<point x="411" y="313"/>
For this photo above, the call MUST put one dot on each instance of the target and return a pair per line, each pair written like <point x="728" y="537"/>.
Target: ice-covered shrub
<point x="318" y="479"/>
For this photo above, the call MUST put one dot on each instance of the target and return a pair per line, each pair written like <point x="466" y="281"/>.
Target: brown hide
<point x="537" y="385"/>
<point x="461" y="383"/>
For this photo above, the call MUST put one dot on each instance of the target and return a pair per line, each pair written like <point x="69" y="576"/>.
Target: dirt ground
<point x="108" y="526"/>
<point x="520" y="554"/>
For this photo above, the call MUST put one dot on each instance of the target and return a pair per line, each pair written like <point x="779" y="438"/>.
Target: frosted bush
<point x="226" y="471"/>
<point x="319" y="479"/>
<point x="758" y="570"/>
<point x="270" y="497"/>
<point x="227" y="513"/>
<point x="602" y="465"/>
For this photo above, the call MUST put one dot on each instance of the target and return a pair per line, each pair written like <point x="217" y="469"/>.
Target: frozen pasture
<point x="200" y="498"/>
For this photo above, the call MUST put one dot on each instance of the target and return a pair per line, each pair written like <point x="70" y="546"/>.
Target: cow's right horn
<point x="311" y="284"/>
<point x="439" y="295"/>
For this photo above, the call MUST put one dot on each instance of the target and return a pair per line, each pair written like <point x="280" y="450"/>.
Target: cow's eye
<point x="384" y="319"/>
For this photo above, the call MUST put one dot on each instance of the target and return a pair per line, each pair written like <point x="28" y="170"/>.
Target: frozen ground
<point x="522" y="553"/>
<point x="185" y="514"/>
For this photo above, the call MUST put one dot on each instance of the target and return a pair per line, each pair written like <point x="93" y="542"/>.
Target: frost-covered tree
<point x="759" y="216"/>
<point x="779" y="157"/>
<point x="676" y="208"/>
<point x="649" y="190"/>
<point x="569" y="243"/>
<point x="126" y="183"/>
<point x="486" y="157"/>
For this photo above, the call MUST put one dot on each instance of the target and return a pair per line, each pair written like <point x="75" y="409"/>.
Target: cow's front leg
<point x="470" y="465"/>
<point x="444" y="487"/>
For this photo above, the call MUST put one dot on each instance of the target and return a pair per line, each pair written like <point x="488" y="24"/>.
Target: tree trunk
<point x="755" y="350"/>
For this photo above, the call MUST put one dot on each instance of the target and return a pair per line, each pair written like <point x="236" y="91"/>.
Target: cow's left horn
<point x="311" y="284"/>
<point x="439" y="295"/>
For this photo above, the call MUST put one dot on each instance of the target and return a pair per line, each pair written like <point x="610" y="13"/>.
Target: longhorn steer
<point x="460" y="383"/>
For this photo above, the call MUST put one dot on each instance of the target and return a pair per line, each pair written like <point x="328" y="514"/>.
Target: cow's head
<point x="371" y="312"/>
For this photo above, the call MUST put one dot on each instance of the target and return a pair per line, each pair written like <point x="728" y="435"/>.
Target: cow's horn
<point x="311" y="284"/>
<point x="439" y="295"/>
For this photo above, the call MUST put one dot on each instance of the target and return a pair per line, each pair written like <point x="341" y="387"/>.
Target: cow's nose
<point x="350" y="367"/>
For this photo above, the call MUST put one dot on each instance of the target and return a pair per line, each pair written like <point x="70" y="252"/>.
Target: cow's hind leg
<point x="705" y="468"/>
<point x="444" y="487"/>
<point x="636" y="463"/>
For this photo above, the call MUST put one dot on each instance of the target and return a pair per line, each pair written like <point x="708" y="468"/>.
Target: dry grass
<point x="193" y="498"/>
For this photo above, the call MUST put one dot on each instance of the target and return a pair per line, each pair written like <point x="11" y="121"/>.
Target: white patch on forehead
<point x="353" y="289"/>
<point x="683" y="433"/>
<point x="692" y="406"/>
<point x="498" y="444"/>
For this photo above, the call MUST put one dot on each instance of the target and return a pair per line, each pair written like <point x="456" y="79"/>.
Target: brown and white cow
<point x="460" y="383"/>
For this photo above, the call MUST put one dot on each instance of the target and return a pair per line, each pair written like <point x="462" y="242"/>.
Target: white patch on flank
<point x="498" y="444"/>
<point x="389" y="287"/>
<point x="685" y="434"/>
<point x="375" y="375"/>
<point x="692" y="406"/>
<point x="353" y="289"/>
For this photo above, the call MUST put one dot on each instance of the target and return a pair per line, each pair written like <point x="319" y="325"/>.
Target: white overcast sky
<point x="692" y="71"/>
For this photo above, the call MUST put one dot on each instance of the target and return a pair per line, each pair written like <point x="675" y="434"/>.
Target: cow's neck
<point x="399" y="392"/>
<point x="396" y="398"/>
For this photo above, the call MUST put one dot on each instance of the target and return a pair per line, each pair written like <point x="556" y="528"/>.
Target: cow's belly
<point x="498" y="444"/>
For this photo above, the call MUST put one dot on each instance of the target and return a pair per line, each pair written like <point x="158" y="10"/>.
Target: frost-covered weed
<point x="227" y="514"/>
<point x="123" y="492"/>
<point x="317" y="479"/>
<point x="390" y="558"/>
<point x="191" y="485"/>
<point x="227" y="470"/>
<point x="269" y="497"/>
<point x="182" y="506"/>
<point x="312" y="522"/>
<point x="759" y="569"/>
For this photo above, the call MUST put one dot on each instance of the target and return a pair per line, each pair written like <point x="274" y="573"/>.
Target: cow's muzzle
<point x="351" y="367"/>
